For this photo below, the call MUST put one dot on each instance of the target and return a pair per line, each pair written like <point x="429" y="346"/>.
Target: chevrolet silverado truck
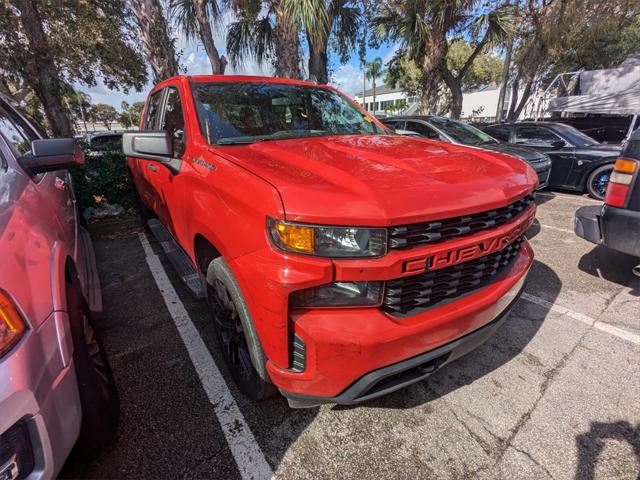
<point x="340" y="261"/>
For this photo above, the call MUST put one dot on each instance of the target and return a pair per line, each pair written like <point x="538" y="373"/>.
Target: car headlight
<point x="325" y="241"/>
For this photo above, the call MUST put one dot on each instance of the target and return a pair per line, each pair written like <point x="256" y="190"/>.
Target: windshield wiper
<point x="280" y="135"/>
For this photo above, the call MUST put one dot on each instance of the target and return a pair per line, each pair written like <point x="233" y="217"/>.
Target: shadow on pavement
<point x="591" y="444"/>
<point x="610" y="265"/>
<point x="511" y="339"/>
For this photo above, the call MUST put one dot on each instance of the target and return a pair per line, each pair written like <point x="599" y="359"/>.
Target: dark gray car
<point x="455" y="131"/>
<point x="579" y="162"/>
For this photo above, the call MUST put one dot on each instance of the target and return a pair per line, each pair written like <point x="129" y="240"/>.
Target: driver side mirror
<point x="558" y="144"/>
<point x="150" y="145"/>
<point x="51" y="154"/>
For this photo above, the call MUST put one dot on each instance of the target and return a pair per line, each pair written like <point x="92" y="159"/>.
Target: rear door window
<point x="424" y="130"/>
<point x="18" y="137"/>
<point x="501" y="132"/>
<point x="536" y="136"/>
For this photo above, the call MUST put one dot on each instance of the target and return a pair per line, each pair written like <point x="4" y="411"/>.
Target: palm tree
<point x="323" y="20"/>
<point x="265" y="32"/>
<point x="195" y="19"/>
<point x="423" y="28"/>
<point x="374" y="71"/>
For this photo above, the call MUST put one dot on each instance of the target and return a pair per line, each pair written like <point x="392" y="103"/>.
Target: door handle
<point x="153" y="168"/>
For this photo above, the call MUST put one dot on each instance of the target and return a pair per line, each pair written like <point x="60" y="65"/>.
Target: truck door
<point x="166" y="192"/>
<point x="142" y="170"/>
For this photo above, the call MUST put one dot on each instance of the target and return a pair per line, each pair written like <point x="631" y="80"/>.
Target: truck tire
<point x="236" y="334"/>
<point x="98" y="394"/>
<point x="598" y="181"/>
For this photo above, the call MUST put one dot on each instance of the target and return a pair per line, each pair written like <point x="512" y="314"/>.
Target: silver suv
<point x="55" y="382"/>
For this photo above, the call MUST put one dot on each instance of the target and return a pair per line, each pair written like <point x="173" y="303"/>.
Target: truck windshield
<point x="248" y="112"/>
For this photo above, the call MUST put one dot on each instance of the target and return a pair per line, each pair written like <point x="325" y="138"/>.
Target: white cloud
<point x="347" y="78"/>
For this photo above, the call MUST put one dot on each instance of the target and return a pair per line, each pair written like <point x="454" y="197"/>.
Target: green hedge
<point x="103" y="179"/>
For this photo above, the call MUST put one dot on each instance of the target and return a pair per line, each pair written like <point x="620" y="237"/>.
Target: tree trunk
<point x="454" y="84"/>
<point x="287" y="46"/>
<point x="318" y="61"/>
<point x="373" y="82"/>
<point x="157" y="44"/>
<point x="514" y="96"/>
<point x="503" y="84"/>
<point x="218" y="64"/>
<point x="526" y="93"/>
<point x="432" y="61"/>
<point x="42" y="74"/>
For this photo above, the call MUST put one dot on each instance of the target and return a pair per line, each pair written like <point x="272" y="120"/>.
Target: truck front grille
<point x="410" y="295"/>
<point x="414" y="235"/>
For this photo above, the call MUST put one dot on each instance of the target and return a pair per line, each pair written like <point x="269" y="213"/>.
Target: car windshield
<point x="576" y="137"/>
<point x="462" y="132"/>
<point x="248" y="112"/>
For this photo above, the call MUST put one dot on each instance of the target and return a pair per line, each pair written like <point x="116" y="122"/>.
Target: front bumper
<point x="543" y="171"/>
<point x="402" y="374"/>
<point x="39" y="390"/>
<point x="341" y="345"/>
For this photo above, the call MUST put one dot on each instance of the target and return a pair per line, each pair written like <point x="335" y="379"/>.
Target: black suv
<point x="578" y="161"/>
<point x="617" y="224"/>
<point x="455" y="131"/>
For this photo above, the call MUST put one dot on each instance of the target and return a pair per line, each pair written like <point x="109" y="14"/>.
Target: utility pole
<point x="364" y="85"/>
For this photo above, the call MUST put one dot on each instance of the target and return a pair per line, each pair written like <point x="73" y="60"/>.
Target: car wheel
<point x="98" y="394"/>
<point x="238" y="340"/>
<point x="598" y="181"/>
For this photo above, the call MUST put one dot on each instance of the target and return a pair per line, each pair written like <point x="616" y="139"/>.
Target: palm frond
<point x="184" y="15"/>
<point x="312" y="15"/>
<point x="249" y="37"/>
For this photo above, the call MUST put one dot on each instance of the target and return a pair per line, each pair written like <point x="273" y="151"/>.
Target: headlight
<point x="337" y="242"/>
<point x="339" y="294"/>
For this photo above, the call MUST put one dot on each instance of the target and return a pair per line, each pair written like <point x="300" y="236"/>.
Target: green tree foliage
<point x="373" y="72"/>
<point x="49" y="44"/>
<point x="425" y="30"/>
<point x="327" y="25"/>
<point x="564" y="35"/>
<point x="129" y="116"/>
<point x="103" y="113"/>
<point x="486" y="68"/>
<point x="263" y="31"/>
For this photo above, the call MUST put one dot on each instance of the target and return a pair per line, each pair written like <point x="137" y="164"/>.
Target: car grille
<point x="411" y="295"/>
<point x="409" y="236"/>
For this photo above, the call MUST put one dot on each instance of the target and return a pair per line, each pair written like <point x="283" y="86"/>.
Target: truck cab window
<point x="153" y="111"/>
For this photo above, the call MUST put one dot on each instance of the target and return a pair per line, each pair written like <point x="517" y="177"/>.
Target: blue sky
<point x="347" y="77"/>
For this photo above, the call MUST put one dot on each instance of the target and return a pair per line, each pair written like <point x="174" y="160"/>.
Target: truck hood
<point x="382" y="180"/>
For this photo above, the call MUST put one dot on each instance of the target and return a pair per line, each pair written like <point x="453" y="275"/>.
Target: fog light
<point x="16" y="454"/>
<point x="339" y="294"/>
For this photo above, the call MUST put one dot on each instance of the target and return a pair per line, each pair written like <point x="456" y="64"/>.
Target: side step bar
<point x="180" y="260"/>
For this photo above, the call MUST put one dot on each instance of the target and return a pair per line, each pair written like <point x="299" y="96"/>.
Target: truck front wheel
<point x="238" y="340"/>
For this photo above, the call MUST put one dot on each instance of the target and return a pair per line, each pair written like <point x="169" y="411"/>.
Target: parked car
<point x="579" y="162"/>
<point x="454" y="131"/>
<point x="55" y="383"/>
<point x="616" y="224"/>
<point x="340" y="261"/>
<point x="102" y="143"/>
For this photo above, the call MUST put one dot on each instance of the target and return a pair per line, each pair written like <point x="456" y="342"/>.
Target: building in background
<point x="478" y="105"/>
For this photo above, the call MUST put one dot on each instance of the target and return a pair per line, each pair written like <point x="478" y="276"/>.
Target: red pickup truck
<point x="340" y="261"/>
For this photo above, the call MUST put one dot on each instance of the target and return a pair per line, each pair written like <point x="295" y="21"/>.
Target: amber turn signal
<point x="11" y="325"/>
<point x="293" y="237"/>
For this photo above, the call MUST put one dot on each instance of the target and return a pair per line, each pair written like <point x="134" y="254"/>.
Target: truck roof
<point x="245" y="78"/>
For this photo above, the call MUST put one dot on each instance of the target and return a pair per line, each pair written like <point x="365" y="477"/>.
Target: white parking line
<point x="592" y="322"/>
<point x="246" y="451"/>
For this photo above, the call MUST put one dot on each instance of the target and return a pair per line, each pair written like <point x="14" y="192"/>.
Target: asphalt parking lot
<point x="555" y="394"/>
